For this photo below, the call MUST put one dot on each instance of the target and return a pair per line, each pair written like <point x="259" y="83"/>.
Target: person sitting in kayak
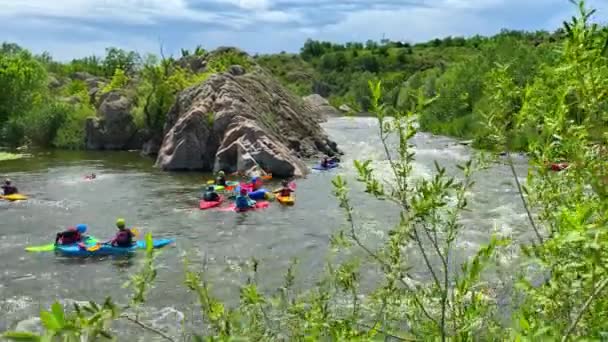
<point x="243" y="201"/>
<point x="210" y="195"/>
<point x="8" y="188"/>
<point x="72" y="235"/>
<point x="285" y="191"/>
<point x="124" y="237"/>
<point x="325" y="162"/>
<point x="256" y="183"/>
<point x="221" y="178"/>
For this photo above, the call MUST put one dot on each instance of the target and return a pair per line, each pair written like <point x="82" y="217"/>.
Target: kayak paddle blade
<point x="45" y="248"/>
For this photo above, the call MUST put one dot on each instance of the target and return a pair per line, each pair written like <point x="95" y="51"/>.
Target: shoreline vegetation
<point x="548" y="99"/>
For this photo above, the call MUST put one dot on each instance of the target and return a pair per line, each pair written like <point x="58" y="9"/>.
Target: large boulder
<point x="242" y="122"/>
<point x="113" y="128"/>
<point x="320" y="107"/>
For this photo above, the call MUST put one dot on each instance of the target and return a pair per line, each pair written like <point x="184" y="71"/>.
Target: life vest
<point x="124" y="238"/>
<point x="70" y="236"/>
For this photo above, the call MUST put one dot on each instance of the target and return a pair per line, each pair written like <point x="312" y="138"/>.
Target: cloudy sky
<point x="76" y="28"/>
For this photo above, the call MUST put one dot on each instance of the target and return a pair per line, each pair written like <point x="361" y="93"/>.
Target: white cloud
<point x="131" y="11"/>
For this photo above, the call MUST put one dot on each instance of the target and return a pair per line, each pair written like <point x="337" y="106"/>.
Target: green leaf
<point x="57" y="310"/>
<point x="20" y="336"/>
<point x="49" y="321"/>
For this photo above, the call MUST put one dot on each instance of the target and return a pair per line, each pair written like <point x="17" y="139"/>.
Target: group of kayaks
<point x="262" y="197"/>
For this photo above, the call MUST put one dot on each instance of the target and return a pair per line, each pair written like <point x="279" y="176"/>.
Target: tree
<point x="120" y="59"/>
<point x="22" y="80"/>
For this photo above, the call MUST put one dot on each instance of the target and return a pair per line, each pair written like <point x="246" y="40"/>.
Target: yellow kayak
<point x="287" y="200"/>
<point x="14" y="197"/>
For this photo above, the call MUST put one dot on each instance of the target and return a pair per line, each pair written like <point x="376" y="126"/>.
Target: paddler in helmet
<point x="243" y="201"/>
<point x="221" y="178"/>
<point x="124" y="236"/>
<point x="71" y="235"/>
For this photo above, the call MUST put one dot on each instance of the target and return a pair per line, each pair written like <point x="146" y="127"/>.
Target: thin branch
<point x="354" y="236"/>
<point x="149" y="328"/>
<point x="387" y="334"/>
<point x="574" y="323"/>
<point x="426" y="259"/>
<point x="523" y="199"/>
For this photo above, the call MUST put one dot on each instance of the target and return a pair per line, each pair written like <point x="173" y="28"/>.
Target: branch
<point x="595" y="293"/>
<point x="523" y="199"/>
<point x="351" y="220"/>
<point x="148" y="328"/>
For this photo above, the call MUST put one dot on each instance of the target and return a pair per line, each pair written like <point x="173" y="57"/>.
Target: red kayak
<point x="210" y="204"/>
<point x="559" y="166"/>
<point x="258" y="205"/>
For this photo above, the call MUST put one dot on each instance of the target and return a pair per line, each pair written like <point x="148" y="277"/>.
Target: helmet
<point x="243" y="191"/>
<point x="120" y="223"/>
<point x="81" y="228"/>
<point x="221" y="173"/>
<point x="255" y="179"/>
<point x="7" y="181"/>
<point x="285" y="182"/>
<point x="211" y="188"/>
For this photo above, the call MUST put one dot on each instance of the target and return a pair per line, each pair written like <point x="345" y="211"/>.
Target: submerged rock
<point x="242" y="122"/>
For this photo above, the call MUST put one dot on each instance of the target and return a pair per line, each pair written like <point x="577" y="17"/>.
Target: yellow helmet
<point x="120" y="223"/>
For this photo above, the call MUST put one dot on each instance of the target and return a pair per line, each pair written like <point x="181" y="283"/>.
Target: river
<point x="164" y="203"/>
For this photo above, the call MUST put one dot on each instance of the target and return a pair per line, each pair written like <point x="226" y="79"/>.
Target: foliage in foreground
<point x="422" y="291"/>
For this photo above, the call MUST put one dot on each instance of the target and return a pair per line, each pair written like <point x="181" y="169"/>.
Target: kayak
<point x="254" y="195"/>
<point x="89" y="241"/>
<point x="210" y="204"/>
<point x="258" y="194"/>
<point x="107" y="249"/>
<point x="329" y="167"/>
<point x="258" y="205"/>
<point x="286" y="200"/>
<point x="14" y="197"/>
<point x="559" y="166"/>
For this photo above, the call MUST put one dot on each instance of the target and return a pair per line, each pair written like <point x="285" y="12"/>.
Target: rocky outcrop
<point x="239" y="121"/>
<point x="113" y="128"/>
<point x="320" y="107"/>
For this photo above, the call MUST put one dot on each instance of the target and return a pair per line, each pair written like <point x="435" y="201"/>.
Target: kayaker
<point x="325" y="162"/>
<point x="256" y="183"/>
<point x="210" y="195"/>
<point x="91" y="176"/>
<point x="221" y="178"/>
<point x="71" y="236"/>
<point x="124" y="237"/>
<point x="285" y="191"/>
<point x="8" y="188"/>
<point x="243" y="201"/>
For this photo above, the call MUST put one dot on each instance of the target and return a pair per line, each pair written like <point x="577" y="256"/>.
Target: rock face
<point x="320" y="107"/>
<point x="239" y="121"/>
<point x="113" y="128"/>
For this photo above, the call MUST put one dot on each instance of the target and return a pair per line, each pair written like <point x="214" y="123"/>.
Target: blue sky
<point x="76" y="28"/>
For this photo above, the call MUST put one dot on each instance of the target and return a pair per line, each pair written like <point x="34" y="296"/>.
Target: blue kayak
<point x="107" y="249"/>
<point x="329" y="167"/>
<point x="259" y="194"/>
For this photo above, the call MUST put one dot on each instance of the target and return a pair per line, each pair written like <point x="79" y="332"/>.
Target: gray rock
<point x="321" y="108"/>
<point x="113" y="128"/>
<point x="345" y="108"/>
<point x="236" y="70"/>
<point x="241" y="123"/>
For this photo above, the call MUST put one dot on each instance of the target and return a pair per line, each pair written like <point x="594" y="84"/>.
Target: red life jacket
<point x="70" y="236"/>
